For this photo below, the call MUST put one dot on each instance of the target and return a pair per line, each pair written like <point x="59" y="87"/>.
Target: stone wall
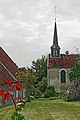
<point x="54" y="79"/>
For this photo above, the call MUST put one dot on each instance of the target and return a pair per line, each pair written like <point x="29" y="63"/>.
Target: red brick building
<point x="7" y="67"/>
<point x="7" y="72"/>
<point x="59" y="65"/>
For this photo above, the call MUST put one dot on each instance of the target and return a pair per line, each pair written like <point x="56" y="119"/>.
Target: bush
<point x="42" y="87"/>
<point x="28" y="99"/>
<point x="73" y="92"/>
<point x="38" y="94"/>
<point x="72" y="99"/>
<point x="32" y="97"/>
<point x="51" y="88"/>
<point x="49" y="93"/>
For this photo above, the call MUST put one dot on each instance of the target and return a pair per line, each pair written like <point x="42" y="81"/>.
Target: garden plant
<point x="18" y="102"/>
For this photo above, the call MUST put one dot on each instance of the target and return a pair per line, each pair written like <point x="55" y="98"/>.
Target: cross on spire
<point x="55" y="49"/>
<point x="55" y="13"/>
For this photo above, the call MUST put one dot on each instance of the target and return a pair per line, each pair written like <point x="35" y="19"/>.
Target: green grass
<point x="46" y="109"/>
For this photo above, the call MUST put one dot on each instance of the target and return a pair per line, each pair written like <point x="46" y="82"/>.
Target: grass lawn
<point x="45" y="109"/>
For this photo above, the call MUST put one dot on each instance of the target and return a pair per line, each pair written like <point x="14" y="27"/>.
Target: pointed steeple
<point x="55" y="49"/>
<point x="55" y="38"/>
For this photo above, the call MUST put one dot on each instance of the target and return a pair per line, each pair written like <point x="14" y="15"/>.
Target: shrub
<point x="38" y="93"/>
<point x="73" y="92"/>
<point x="49" y="93"/>
<point x="51" y="88"/>
<point x="42" y="87"/>
<point x="72" y="99"/>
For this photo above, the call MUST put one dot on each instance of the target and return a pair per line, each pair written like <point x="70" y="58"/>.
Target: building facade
<point x="7" y="72"/>
<point x="59" y="65"/>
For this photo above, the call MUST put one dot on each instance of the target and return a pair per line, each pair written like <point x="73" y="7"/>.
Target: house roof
<point x="7" y="67"/>
<point x="66" y="61"/>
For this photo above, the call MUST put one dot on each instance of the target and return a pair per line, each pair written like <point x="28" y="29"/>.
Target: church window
<point x="55" y="53"/>
<point x="63" y="76"/>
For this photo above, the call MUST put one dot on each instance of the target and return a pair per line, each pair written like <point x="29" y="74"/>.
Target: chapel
<point x="59" y="65"/>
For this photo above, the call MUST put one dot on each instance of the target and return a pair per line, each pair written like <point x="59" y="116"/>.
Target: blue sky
<point x="26" y="28"/>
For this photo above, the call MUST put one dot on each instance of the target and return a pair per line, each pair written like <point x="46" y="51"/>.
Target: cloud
<point x="27" y="27"/>
<point x="1" y="35"/>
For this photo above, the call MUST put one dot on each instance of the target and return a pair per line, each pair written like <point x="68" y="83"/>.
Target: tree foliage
<point x="43" y="84"/>
<point x="35" y="78"/>
<point x="73" y="91"/>
<point x="75" y="72"/>
<point x="39" y="67"/>
<point x="28" y="79"/>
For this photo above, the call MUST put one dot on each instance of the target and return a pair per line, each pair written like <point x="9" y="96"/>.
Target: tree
<point x="75" y="72"/>
<point x="28" y="79"/>
<point x="73" y="91"/>
<point x="43" y="84"/>
<point x="39" y="67"/>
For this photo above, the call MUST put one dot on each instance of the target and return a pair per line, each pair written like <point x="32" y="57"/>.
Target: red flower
<point x="12" y="86"/>
<point x="17" y="85"/>
<point x="7" y="82"/>
<point x="5" y="95"/>
<point x="2" y="92"/>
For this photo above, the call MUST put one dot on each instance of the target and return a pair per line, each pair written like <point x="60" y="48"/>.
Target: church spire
<point x="55" y="37"/>
<point x="55" y="49"/>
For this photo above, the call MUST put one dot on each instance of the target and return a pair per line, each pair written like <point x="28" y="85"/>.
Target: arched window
<point x="63" y="76"/>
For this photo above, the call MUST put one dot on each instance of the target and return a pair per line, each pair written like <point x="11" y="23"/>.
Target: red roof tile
<point x="7" y="67"/>
<point x="66" y="61"/>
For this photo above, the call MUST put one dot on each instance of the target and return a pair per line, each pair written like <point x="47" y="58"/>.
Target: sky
<point x="27" y="27"/>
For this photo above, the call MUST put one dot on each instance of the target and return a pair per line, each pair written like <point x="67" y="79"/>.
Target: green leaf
<point x="20" y="117"/>
<point x="20" y="106"/>
<point x="13" y="116"/>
